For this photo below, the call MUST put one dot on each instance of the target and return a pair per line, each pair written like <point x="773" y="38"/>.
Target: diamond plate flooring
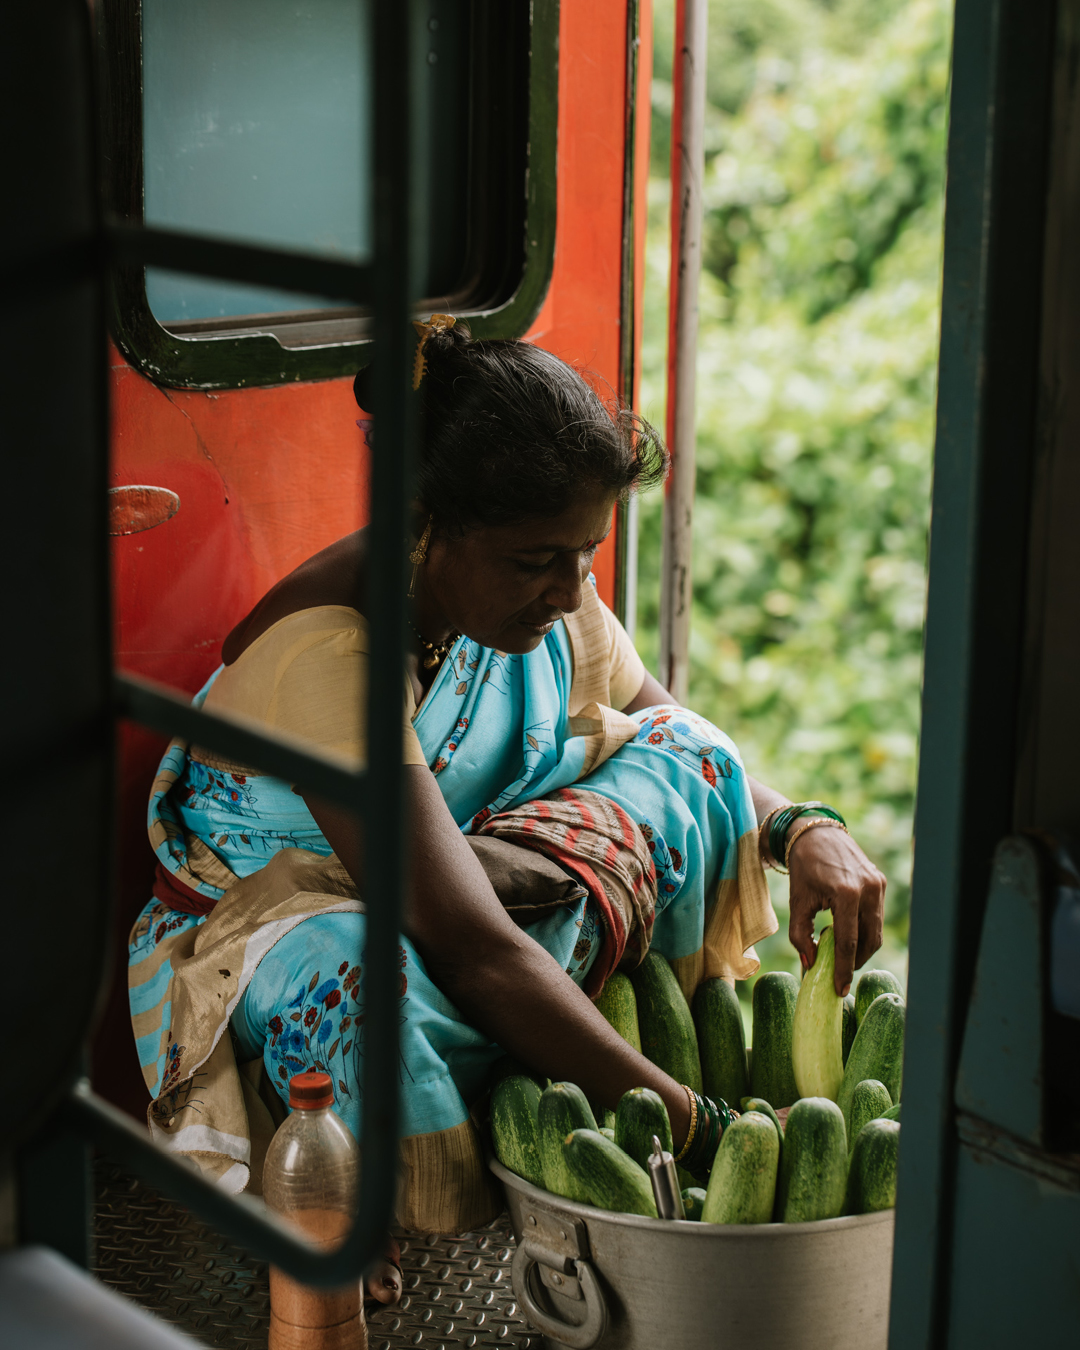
<point x="457" y="1289"/>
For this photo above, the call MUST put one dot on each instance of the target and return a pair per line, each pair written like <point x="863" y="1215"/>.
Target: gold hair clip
<point x="438" y="323"/>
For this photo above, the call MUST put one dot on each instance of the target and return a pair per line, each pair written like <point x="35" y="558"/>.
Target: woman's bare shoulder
<point x="335" y="576"/>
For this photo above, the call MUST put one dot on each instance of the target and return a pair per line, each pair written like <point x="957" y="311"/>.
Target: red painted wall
<point x="266" y="477"/>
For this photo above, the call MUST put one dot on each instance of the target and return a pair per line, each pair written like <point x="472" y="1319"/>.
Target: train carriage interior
<point x="217" y="212"/>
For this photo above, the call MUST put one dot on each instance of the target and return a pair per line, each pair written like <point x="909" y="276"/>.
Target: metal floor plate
<point x="457" y="1289"/>
<point x="457" y="1293"/>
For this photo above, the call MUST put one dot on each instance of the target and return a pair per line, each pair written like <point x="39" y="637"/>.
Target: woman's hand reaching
<point x="830" y="871"/>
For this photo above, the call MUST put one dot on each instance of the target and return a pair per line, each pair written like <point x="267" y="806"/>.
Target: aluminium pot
<point x="586" y="1277"/>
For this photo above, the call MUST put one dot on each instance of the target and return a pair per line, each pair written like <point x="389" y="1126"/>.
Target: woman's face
<point x="507" y="586"/>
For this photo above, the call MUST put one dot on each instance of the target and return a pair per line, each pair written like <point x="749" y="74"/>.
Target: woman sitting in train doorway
<point x="529" y="718"/>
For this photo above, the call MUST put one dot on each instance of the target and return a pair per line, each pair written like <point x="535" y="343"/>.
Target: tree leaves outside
<point x="816" y="382"/>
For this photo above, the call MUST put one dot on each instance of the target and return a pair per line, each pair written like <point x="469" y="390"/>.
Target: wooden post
<point x="687" y="164"/>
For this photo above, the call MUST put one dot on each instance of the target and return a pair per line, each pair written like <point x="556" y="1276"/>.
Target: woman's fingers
<point x="845" y="911"/>
<point x="871" y="920"/>
<point x="801" y="928"/>
<point x="830" y="871"/>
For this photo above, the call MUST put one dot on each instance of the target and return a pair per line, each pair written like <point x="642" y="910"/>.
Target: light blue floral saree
<point x="498" y="732"/>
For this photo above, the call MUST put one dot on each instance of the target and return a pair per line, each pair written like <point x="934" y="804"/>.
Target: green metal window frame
<point x="231" y="358"/>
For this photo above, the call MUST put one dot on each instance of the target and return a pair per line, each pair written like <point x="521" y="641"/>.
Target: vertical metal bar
<point x="57" y="728"/>
<point x="984" y="452"/>
<point x="396" y="274"/>
<point x="687" y="166"/>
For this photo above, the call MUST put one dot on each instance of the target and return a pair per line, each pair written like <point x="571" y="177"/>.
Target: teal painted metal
<point x="986" y="432"/>
<point x="1000" y="1079"/>
<point x="1015" y="1257"/>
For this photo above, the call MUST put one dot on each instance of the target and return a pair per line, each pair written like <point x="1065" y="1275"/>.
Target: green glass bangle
<point x="783" y="821"/>
<point x="713" y="1118"/>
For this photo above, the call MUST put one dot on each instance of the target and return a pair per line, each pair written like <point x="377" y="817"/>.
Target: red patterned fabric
<point x="595" y="840"/>
<point x="171" y="891"/>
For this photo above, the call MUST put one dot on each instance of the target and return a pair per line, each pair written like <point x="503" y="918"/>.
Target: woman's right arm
<point x="503" y="983"/>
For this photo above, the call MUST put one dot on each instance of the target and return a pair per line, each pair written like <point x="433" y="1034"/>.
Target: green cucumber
<point x="563" y="1107"/>
<point x="506" y="1066"/>
<point x="618" y="1003"/>
<point x="515" y="1127"/>
<point x="893" y="1113"/>
<point x="851" y="1024"/>
<point x="817" y="1038"/>
<point x="872" y="1170"/>
<point x="771" y="1075"/>
<point x="668" y="1037"/>
<point x="869" y="1101"/>
<point x="606" y="1176"/>
<point x="641" y="1115"/>
<point x="742" y="1184"/>
<point x="871" y="984"/>
<point x="608" y="1134"/>
<point x="693" y="1200"/>
<point x="721" y="1041"/>
<point x="813" y="1172"/>
<point x="878" y="1051"/>
<point x="609" y="1120"/>
<point x="760" y="1104"/>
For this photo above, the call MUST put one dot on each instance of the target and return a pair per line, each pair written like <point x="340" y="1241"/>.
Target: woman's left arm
<point x="828" y="871"/>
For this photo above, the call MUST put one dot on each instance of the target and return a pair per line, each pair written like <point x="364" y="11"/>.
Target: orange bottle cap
<point x="309" y="1091"/>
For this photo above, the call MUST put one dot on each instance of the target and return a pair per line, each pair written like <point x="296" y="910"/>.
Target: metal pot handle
<point x="579" y="1337"/>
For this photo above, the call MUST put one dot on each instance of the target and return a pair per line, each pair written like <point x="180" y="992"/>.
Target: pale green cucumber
<point x="771" y="1076"/>
<point x="817" y="1040"/>
<point x="872" y="1170"/>
<point x="760" y="1104"/>
<point x="869" y="1101"/>
<point x="742" y="1184"/>
<point x="667" y="1030"/>
<point x="606" y="1176"/>
<point x="618" y="1003"/>
<point x="562" y="1108"/>
<point x="813" y="1171"/>
<point x="878" y="1051"/>
<point x="693" y="1199"/>
<point x="515" y="1127"/>
<point x="641" y="1115"/>
<point x="721" y="1041"/>
<point x="873" y="983"/>
<point x="851" y="1024"/>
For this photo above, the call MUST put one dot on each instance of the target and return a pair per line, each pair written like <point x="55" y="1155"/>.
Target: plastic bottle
<point x="310" y="1178"/>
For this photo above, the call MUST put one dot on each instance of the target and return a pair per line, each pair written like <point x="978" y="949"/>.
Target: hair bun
<point x="438" y="341"/>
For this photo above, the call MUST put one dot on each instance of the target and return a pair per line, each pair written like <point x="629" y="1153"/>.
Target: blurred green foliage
<point x="816" y="381"/>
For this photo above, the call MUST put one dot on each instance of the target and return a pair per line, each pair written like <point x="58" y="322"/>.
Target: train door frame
<point x="49" y="1124"/>
<point x="999" y="419"/>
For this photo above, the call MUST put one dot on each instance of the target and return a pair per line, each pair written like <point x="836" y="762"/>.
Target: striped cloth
<point x="593" y="838"/>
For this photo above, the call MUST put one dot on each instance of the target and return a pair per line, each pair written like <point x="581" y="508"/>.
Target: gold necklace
<point x="436" y="651"/>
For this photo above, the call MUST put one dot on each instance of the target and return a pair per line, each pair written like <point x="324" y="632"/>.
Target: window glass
<point x="256" y="127"/>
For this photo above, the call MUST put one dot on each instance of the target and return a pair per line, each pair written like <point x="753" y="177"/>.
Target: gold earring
<point x="419" y="555"/>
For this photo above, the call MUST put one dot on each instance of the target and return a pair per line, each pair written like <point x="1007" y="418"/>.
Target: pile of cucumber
<point x="836" y="1063"/>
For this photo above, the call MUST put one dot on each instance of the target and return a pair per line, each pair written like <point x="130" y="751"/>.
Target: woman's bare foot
<point x="382" y="1285"/>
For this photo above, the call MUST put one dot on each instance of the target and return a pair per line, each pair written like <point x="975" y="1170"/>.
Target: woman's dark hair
<point x="511" y="432"/>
